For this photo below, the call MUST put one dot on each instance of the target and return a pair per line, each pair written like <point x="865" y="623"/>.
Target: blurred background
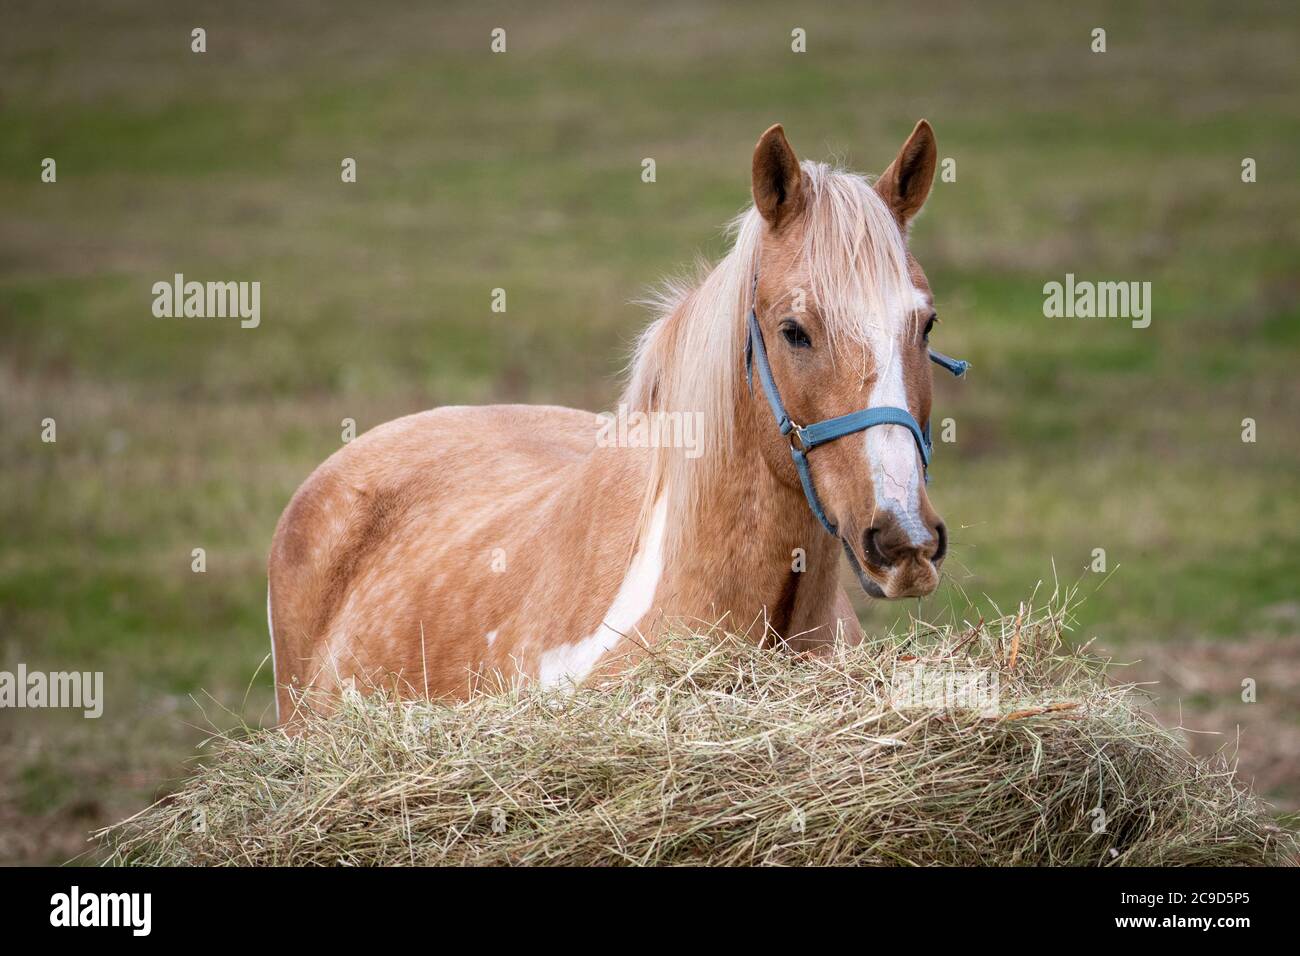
<point x="522" y="171"/>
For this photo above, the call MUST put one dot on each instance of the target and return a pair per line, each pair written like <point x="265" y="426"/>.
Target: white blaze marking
<point x="892" y="455"/>
<point x="572" y="662"/>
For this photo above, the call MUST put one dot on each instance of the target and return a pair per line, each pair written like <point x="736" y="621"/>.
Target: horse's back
<point x="357" y="535"/>
<point x="529" y="437"/>
<point x="429" y="458"/>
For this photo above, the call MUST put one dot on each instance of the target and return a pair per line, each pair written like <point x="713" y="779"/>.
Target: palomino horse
<point x="520" y="542"/>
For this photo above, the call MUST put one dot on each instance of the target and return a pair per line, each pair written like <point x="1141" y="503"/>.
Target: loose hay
<point x="713" y="751"/>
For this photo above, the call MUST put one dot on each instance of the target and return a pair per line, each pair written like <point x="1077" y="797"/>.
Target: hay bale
<point x="713" y="751"/>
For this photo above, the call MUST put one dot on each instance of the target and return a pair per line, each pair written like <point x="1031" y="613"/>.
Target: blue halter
<point x="819" y="433"/>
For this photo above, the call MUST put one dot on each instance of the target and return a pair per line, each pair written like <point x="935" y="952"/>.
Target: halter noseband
<point x="819" y="433"/>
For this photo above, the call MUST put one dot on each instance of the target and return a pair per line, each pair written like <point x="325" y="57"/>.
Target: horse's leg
<point x="839" y="627"/>
<point x="822" y="616"/>
<point x="846" y="618"/>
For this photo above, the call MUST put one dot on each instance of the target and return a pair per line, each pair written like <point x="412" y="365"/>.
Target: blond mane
<point x="691" y="357"/>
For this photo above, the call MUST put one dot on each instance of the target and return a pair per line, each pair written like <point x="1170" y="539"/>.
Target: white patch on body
<point x="897" y="471"/>
<point x="572" y="662"/>
<point x="275" y="675"/>
<point x="491" y="636"/>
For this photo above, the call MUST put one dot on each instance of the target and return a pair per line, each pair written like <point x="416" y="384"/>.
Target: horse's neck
<point x="755" y="551"/>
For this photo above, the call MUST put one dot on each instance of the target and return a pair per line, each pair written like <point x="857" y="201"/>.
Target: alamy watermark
<point x="208" y="300"/>
<point x="633" y="429"/>
<point x="946" y="687"/>
<point x="56" y="689"/>
<point x="1085" y="299"/>
<point x="133" y="911"/>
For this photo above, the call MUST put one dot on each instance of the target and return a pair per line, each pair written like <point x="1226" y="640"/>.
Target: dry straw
<point x="713" y="751"/>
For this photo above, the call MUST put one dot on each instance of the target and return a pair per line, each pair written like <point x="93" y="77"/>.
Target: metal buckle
<point x="797" y="430"/>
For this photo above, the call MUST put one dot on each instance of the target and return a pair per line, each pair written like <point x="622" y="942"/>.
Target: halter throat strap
<point x="819" y="433"/>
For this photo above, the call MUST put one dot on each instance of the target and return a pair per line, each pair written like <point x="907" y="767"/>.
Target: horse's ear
<point x="905" y="185"/>
<point x="778" y="184"/>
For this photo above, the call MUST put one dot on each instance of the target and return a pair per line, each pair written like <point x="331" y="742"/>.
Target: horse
<point x="517" y="544"/>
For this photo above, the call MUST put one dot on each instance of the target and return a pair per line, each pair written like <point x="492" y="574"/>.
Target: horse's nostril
<point x="871" y="544"/>
<point x="941" y="532"/>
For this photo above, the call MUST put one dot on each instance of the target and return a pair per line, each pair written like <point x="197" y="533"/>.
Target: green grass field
<point x="522" y="171"/>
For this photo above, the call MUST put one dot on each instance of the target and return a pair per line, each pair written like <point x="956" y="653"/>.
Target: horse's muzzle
<point x="895" y="565"/>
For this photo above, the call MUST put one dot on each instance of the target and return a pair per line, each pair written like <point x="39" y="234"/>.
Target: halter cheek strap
<point x="819" y="433"/>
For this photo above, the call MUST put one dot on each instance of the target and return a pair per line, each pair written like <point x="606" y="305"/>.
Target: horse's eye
<point x="794" y="335"/>
<point x="929" y="324"/>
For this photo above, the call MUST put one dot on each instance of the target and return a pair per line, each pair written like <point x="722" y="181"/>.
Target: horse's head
<point x="845" y="313"/>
